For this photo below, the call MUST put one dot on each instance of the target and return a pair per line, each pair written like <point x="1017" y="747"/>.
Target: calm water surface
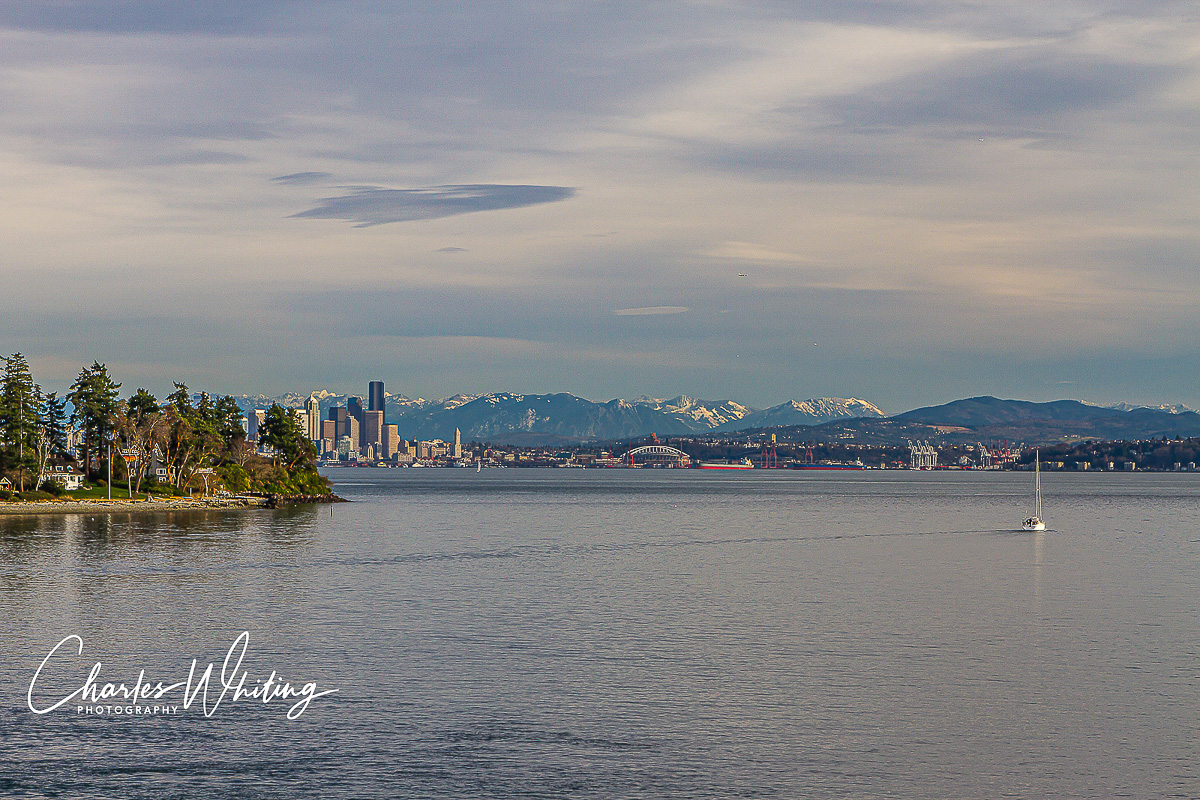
<point x="609" y="634"/>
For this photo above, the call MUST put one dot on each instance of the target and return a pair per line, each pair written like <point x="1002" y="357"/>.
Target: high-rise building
<point x="329" y="429"/>
<point x="457" y="443"/>
<point x="354" y="408"/>
<point x="372" y="428"/>
<point x="255" y="418"/>
<point x="354" y="431"/>
<point x="338" y="415"/>
<point x="391" y="441"/>
<point x="313" y="407"/>
<point x="376" y="397"/>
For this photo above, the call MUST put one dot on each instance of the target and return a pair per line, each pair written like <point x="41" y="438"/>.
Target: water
<point x="610" y="634"/>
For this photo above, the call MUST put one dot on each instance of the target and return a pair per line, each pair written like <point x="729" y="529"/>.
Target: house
<point x="5" y="485"/>
<point x="65" y="475"/>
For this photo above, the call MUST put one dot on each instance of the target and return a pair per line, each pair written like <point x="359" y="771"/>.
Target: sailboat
<point x="1035" y="523"/>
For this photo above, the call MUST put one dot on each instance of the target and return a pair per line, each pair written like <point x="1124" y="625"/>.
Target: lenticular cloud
<point x="371" y="205"/>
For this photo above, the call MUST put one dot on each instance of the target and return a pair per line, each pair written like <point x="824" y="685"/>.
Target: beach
<point x="121" y="506"/>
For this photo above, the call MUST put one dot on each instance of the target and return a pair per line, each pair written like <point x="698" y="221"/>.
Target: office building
<point x="338" y="415"/>
<point x="254" y="420"/>
<point x="354" y="409"/>
<point x="457" y="443"/>
<point x="312" y="407"/>
<point x="372" y="428"/>
<point x="376" y="398"/>
<point x="391" y="442"/>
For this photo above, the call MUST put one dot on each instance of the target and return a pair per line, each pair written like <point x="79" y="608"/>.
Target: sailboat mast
<point x="1037" y="483"/>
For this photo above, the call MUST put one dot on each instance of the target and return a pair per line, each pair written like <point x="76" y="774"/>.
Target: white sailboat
<point x="1035" y="523"/>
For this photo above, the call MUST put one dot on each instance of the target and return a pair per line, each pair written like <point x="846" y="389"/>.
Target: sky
<point x="905" y="201"/>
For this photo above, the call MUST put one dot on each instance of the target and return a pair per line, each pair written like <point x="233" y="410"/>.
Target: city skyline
<point x="906" y="202"/>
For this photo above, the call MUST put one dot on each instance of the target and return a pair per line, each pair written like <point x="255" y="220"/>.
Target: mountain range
<point x="547" y="419"/>
<point x="559" y="419"/>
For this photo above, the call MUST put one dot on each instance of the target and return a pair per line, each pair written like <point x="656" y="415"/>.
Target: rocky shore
<point x="118" y="506"/>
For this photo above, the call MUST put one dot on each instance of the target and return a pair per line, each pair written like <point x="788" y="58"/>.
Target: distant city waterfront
<point x="356" y="434"/>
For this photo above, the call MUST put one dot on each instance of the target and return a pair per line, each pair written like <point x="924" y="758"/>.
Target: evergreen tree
<point x="94" y="399"/>
<point x="229" y="418"/>
<point x="141" y="430"/>
<point x="281" y="430"/>
<point x="19" y="416"/>
<point x="52" y="421"/>
<point x="141" y="404"/>
<point x="52" y="431"/>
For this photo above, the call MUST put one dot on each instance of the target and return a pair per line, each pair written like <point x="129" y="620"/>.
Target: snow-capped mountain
<point x="806" y="412"/>
<point x="498" y="416"/>
<point x="1170" y="408"/>
<point x="706" y="413"/>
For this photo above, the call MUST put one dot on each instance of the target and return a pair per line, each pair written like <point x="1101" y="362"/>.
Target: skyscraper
<point x="372" y="428"/>
<point x="354" y="408"/>
<point x="457" y="443"/>
<point x="376" y="397"/>
<point x="313" y="407"/>
<point x="339" y="414"/>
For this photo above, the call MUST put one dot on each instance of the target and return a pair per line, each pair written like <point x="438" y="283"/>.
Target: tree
<point x="281" y="430"/>
<point x="52" y="433"/>
<point x="141" y="428"/>
<point x="94" y="399"/>
<point x="19" y="397"/>
<point x="191" y="438"/>
<point x="141" y="404"/>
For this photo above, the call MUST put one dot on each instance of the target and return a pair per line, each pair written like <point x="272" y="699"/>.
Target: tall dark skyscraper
<point x="354" y="408"/>
<point x="338" y="415"/>
<point x="375" y="398"/>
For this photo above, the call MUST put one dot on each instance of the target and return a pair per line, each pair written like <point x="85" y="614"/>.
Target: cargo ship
<point x="828" y="466"/>
<point x="743" y="464"/>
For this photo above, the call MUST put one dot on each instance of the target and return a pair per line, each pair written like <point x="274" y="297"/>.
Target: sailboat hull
<point x="1033" y="525"/>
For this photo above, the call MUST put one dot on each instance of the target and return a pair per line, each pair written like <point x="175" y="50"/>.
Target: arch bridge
<point x="656" y="455"/>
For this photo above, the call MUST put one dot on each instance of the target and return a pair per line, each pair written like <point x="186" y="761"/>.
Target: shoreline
<point x="124" y="506"/>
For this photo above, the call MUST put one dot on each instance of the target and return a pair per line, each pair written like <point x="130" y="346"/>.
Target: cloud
<point x="648" y="311"/>
<point x="452" y="250"/>
<point x="301" y="178"/>
<point x="1004" y="90"/>
<point x="369" y="205"/>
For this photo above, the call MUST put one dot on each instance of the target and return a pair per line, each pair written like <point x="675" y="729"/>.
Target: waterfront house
<point x="65" y="475"/>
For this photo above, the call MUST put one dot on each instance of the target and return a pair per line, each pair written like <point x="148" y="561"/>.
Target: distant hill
<point x="990" y="418"/>
<point x="978" y="411"/>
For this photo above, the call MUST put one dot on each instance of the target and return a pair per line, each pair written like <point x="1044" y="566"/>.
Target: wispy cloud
<point x="301" y="178"/>
<point x="368" y="205"/>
